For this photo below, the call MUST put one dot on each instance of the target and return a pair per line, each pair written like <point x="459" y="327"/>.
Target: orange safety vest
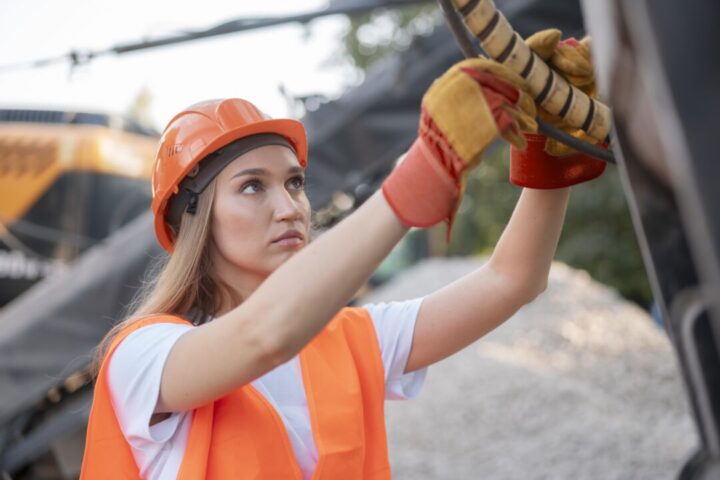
<point x="241" y="436"/>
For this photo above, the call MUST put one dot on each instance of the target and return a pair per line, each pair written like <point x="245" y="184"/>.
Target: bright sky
<point x="250" y="64"/>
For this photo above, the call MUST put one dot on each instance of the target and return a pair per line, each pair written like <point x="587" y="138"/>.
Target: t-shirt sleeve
<point x="134" y="375"/>
<point x="395" y="324"/>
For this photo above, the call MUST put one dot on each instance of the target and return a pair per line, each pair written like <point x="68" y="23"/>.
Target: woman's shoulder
<point x="134" y="324"/>
<point x="143" y="330"/>
<point x="145" y="342"/>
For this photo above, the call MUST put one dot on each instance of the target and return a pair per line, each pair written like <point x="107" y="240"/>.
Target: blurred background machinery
<point x="663" y="88"/>
<point x="67" y="180"/>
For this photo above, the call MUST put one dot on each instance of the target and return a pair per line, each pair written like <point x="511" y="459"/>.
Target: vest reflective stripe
<point x="242" y="436"/>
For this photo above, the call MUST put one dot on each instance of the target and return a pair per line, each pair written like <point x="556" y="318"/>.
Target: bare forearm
<point x="457" y="315"/>
<point x="527" y="246"/>
<point x="317" y="282"/>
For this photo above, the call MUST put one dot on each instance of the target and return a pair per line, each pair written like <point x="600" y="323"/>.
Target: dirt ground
<point x="580" y="384"/>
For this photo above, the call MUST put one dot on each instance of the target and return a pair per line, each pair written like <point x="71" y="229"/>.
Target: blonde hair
<point x="183" y="283"/>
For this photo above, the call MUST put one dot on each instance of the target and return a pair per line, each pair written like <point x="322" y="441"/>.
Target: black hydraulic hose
<point x="470" y="50"/>
<point x="574" y="142"/>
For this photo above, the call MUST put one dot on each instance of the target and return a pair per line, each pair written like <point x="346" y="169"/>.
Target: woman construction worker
<point x="241" y="360"/>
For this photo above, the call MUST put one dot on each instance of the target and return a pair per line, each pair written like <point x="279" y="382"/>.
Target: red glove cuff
<point x="420" y="190"/>
<point x="535" y="168"/>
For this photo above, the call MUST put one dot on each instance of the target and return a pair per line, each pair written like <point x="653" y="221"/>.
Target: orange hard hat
<point x="204" y="129"/>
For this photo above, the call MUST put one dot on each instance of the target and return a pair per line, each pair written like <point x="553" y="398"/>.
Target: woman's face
<point x="261" y="215"/>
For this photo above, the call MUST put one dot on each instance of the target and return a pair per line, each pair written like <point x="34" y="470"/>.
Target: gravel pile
<point x="580" y="384"/>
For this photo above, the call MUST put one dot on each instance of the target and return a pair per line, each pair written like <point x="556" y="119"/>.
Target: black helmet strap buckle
<point x="192" y="202"/>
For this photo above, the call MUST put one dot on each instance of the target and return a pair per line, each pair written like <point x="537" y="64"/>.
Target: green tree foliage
<point x="371" y="36"/>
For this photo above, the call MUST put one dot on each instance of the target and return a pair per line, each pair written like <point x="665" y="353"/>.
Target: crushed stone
<point x="579" y="384"/>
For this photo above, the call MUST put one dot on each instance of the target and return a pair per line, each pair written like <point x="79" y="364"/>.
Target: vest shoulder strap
<point x="107" y="453"/>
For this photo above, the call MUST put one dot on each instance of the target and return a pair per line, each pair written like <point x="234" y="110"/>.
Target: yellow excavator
<point x="68" y="179"/>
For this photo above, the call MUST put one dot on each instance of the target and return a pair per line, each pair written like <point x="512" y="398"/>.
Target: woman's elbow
<point x="523" y="288"/>
<point x="534" y="290"/>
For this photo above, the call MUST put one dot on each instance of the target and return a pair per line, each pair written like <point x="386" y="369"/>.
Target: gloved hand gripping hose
<point x="550" y="90"/>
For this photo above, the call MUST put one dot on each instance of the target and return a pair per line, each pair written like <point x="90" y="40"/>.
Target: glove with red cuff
<point x="546" y="163"/>
<point x="463" y="111"/>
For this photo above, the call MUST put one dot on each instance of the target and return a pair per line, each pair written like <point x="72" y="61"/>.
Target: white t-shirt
<point x="135" y="370"/>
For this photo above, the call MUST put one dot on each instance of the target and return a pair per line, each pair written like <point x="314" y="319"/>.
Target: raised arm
<point x="294" y="303"/>
<point x="462" y="312"/>
<point x="517" y="271"/>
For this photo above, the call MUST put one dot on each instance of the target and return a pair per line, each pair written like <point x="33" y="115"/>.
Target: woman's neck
<point x="236" y="288"/>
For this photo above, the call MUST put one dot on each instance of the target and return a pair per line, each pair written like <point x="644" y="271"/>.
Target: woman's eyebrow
<point x="251" y="171"/>
<point x="264" y="172"/>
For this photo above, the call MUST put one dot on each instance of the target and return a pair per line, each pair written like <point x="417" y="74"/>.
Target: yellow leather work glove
<point x="467" y="108"/>
<point x="571" y="59"/>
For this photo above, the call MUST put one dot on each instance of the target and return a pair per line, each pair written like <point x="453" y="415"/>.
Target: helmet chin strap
<point x="197" y="180"/>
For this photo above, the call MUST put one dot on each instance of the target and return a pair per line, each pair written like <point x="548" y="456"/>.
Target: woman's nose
<point x="287" y="207"/>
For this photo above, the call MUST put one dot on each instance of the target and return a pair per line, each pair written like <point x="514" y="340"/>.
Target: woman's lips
<point x="291" y="238"/>
<point x="289" y="242"/>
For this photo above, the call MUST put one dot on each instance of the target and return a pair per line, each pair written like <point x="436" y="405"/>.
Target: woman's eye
<point x="253" y="186"/>
<point x="297" y="183"/>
